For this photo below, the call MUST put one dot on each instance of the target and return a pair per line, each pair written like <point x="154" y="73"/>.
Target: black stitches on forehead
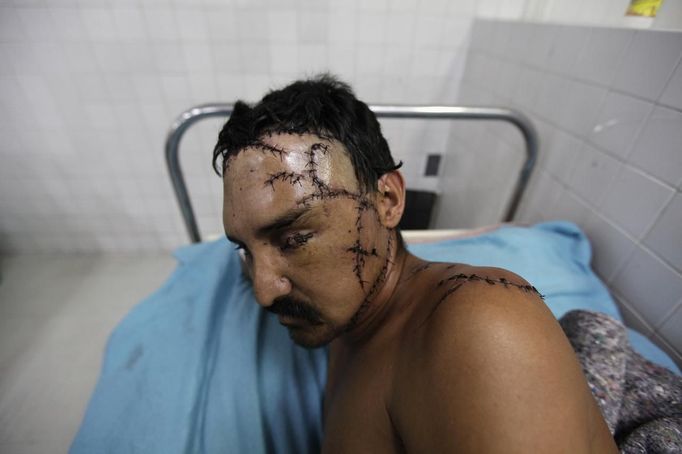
<point x="259" y="145"/>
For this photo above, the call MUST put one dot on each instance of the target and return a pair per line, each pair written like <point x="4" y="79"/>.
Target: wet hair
<point x="323" y="106"/>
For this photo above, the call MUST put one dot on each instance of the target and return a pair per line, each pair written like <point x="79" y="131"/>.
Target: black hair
<point x="323" y="106"/>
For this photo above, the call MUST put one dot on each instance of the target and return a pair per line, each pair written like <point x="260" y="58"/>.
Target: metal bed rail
<point x="191" y="116"/>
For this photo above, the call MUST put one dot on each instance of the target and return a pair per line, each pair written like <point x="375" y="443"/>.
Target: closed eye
<point x="295" y="241"/>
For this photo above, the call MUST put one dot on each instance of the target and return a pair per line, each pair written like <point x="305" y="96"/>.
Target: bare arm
<point x="496" y="374"/>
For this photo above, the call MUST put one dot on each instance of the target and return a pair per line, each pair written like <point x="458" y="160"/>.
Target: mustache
<point x="292" y="307"/>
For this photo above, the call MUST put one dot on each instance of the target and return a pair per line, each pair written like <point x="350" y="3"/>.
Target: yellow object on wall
<point x="645" y="8"/>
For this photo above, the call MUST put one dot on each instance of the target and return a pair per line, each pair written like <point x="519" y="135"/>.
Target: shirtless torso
<point x="468" y="359"/>
<point x="424" y="358"/>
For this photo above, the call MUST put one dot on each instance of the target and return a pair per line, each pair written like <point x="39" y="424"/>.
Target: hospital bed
<point x="199" y="367"/>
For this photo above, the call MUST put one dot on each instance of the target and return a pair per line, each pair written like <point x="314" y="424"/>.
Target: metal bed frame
<point x="191" y="116"/>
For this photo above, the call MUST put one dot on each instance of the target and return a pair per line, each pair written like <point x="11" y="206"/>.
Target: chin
<point x="311" y="337"/>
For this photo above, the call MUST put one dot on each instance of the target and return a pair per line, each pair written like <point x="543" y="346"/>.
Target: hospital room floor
<point x="56" y="313"/>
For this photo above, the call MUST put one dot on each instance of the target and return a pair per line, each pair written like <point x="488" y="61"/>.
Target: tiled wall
<point x="607" y="104"/>
<point x="89" y="89"/>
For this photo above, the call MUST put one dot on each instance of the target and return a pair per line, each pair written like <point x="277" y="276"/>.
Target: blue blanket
<point x="199" y="367"/>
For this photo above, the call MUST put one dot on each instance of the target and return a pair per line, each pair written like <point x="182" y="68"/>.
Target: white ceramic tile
<point x="577" y="106"/>
<point x="230" y="87"/>
<point x="659" y="52"/>
<point x="619" y="121"/>
<point x="399" y="28"/>
<point x="527" y="87"/>
<point x="599" y="59"/>
<point x="428" y="30"/>
<point x="251" y="26"/>
<point x="658" y="148"/>
<point x="169" y="58"/>
<point x="570" y="208"/>
<point x="487" y="8"/>
<point x="227" y="59"/>
<point x="549" y="98"/>
<point x="99" y="23"/>
<point x="672" y="95"/>
<point x="671" y="329"/>
<point x="110" y="57"/>
<point x="567" y="44"/>
<point x="652" y="287"/>
<point x="38" y="23"/>
<point x="540" y="45"/>
<point x="502" y="33"/>
<point x="147" y="88"/>
<point x="222" y="26"/>
<point x="481" y="34"/>
<point x="139" y="57"/>
<point x="129" y="23"/>
<point x="560" y="153"/>
<point x="456" y="32"/>
<point x="198" y="58"/>
<point x="256" y="58"/>
<point x="665" y="238"/>
<point x="610" y="246"/>
<point x="593" y="173"/>
<point x="507" y="80"/>
<point x="634" y="201"/>
<point x="543" y="195"/>
<point x="342" y="61"/>
<point x="175" y="87"/>
<point x="312" y="27"/>
<point x="69" y="24"/>
<point x="12" y="28"/>
<point x="342" y="28"/>
<point x="160" y="24"/>
<point x="192" y="25"/>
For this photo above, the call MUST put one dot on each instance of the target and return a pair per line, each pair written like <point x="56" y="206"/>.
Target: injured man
<point x="423" y="357"/>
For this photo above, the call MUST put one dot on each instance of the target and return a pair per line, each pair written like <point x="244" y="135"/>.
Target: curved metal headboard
<point x="191" y="116"/>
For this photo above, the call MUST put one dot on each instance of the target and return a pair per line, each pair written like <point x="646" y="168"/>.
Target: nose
<point x="269" y="281"/>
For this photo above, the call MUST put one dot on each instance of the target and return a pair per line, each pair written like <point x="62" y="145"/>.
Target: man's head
<point x="312" y="197"/>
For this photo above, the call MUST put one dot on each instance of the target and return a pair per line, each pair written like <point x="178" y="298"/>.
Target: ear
<point x="391" y="198"/>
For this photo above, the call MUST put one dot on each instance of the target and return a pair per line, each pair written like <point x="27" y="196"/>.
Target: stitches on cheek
<point x="361" y="253"/>
<point x="381" y="277"/>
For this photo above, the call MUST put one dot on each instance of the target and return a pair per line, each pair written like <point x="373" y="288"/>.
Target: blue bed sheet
<point x="200" y="367"/>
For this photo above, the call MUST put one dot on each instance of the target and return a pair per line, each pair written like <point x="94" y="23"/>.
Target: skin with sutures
<point x="424" y="357"/>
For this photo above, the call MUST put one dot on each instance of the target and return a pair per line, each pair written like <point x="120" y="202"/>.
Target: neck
<point x="379" y="308"/>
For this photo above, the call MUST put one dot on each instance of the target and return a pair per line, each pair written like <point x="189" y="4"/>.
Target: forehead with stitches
<point x="283" y="171"/>
<point x="305" y="162"/>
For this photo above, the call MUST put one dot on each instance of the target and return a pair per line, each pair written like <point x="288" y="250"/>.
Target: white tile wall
<point x="89" y="89"/>
<point x="611" y="149"/>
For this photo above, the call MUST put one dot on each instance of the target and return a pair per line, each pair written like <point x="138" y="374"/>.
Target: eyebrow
<point x="287" y="219"/>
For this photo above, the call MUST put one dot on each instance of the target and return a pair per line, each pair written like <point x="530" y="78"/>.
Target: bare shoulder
<point x="491" y="371"/>
<point x="469" y="301"/>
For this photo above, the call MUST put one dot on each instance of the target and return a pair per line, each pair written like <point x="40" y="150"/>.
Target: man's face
<point x="315" y="248"/>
